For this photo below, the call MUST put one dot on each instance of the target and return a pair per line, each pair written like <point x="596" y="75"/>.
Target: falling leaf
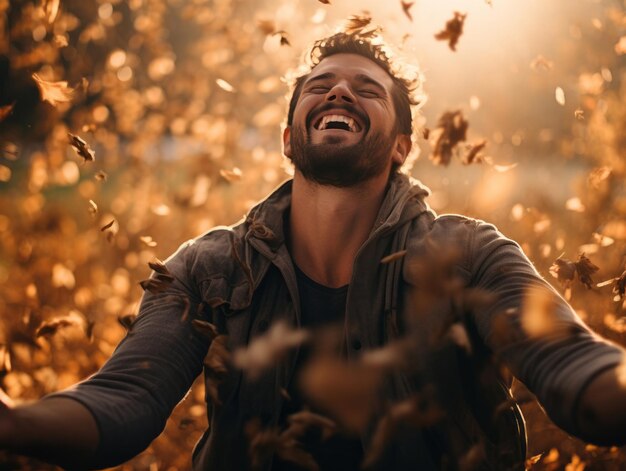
<point x="406" y="6"/>
<point x="475" y="148"/>
<point x="585" y="268"/>
<point x="60" y="40"/>
<point x="325" y="2"/>
<point x="283" y="38"/>
<point x="425" y="133"/>
<point x="564" y="270"/>
<point x="101" y="176"/>
<point x="579" y="114"/>
<point x="267" y="350"/>
<point x="51" y="327"/>
<point x="51" y="9"/>
<point x="108" y="225"/>
<point x="598" y="175"/>
<point x="393" y="257"/>
<point x="453" y="30"/>
<point x="537" y="317"/>
<point x="5" y="111"/>
<point x="205" y="328"/>
<point x="82" y="148"/>
<point x="451" y="130"/>
<point x="224" y="85"/>
<point x="559" y="95"/>
<point x="231" y="176"/>
<point x="541" y="63"/>
<point x="361" y="25"/>
<point x="53" y="92"/>
<point x="93" y="207"/>
<point x="346" y="391"/>
<point x="127" y="321"/>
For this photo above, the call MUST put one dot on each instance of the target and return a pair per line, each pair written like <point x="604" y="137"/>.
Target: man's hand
<point x="57" y="430"/>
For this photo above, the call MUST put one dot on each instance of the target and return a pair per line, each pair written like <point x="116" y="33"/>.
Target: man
<point x="448" y="305"/>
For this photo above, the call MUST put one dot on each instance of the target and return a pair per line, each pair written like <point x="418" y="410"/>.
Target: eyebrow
<point x="359" y="77"/>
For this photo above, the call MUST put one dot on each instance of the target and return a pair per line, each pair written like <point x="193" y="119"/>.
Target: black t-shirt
<point x="320" y="306"/>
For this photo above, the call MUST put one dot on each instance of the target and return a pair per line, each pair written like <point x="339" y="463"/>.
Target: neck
<point x="328" y="225"/>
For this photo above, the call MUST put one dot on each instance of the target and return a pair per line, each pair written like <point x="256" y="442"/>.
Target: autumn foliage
<point x="127" y="128"/>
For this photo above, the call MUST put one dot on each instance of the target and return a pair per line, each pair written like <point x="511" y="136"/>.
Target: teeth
<point x="337" y="118"/>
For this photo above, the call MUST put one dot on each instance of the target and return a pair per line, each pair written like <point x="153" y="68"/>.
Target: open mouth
<point x="335" y="121"/>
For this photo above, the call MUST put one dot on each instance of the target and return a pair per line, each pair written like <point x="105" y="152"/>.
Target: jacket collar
<point x="403" y="201"/>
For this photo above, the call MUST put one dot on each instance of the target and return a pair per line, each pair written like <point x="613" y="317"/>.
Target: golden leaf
<point x="53" y="92"/>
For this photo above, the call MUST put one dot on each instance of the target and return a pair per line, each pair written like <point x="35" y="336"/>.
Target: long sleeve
<point x="533" y="329"/>
<point x="150" y="371"/>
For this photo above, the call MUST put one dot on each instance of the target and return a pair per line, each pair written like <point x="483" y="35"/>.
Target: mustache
<point x="333" y="106"/>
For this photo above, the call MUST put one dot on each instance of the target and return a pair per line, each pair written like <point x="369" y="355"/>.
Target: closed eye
<point x="368" y="93"/>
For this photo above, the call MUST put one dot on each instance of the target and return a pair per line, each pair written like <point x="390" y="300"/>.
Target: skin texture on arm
<point x="58" y="430"/>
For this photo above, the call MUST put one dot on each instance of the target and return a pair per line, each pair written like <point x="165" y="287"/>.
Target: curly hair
<point x="407" y="86"/>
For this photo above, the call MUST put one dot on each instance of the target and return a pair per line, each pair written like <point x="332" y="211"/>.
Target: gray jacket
<point x="241" y="278"/>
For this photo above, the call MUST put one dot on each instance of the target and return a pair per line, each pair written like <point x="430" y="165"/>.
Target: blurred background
<point x="177" y="106"/>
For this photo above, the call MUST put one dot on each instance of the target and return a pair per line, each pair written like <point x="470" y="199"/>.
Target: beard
<point x="333" y="164"/>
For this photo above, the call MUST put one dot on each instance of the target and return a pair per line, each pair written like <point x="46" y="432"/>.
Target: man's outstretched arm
<point x="58" y="430"/>
<point x="601" y="411"/>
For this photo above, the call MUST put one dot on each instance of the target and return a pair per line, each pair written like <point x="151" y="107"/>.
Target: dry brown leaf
<point x="360" y="25"/>
<point x="504" y="168"/>
<point x="5" y="111"/>
<point x="82" y="148"/>
<point x="127" y="320"/>
<point x="346" y="391"/>
<point x="585" y="269"/>
<point x="619" y="289"/>
<point x="598" y="175"/>
<point x="393" y="257"/>
<point x="51" y="327"/>
<point x="453" y="30"/>
<point x="283" y="38"/>
<point x="563" y="270"/>
<point x="205" y="328"/>
<point x="579" y="114"/>
<point x="451" y="130"/>
<point x="101" y="176"/>
<point x="472" y="154"/>
<point x="406" y="7"/>
<point x="108" y="225"/>
<point x="325" y="2"/>
<point x="53" y="92"/>
<point x="231" y="176"/>
<point x="267" y="350"/>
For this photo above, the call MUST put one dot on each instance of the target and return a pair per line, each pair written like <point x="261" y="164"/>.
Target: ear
<point x="287" y="141"/>
<point x="402" y="148"/>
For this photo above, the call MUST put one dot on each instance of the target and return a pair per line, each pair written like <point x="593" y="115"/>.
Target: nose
<point x="340" y="92"/>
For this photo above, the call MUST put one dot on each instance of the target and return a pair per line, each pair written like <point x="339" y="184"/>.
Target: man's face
<point x="344" y="123"/>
